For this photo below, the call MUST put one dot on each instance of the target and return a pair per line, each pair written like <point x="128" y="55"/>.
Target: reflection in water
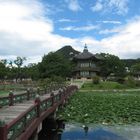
<point x="52" y="129"/>
<point x="99" y="134"/>
<point x="92" y="132"/>
<point x="85" y="129"/>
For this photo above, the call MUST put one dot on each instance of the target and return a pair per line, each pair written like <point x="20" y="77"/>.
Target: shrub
<point x="96" y="80"/>
<point x="120" y="80"/>
<point x="138" y="83"/>
<point x="130" y="81"/>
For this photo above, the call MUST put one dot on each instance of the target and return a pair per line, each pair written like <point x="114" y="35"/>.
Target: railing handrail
<point x="21" y="116"/>
<point x="31" y="92"/>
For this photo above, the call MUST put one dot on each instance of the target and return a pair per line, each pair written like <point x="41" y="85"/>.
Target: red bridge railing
<point x="31" y="118"/>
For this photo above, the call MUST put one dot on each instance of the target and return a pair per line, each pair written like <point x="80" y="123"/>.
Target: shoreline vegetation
<point x="108" y="85"/>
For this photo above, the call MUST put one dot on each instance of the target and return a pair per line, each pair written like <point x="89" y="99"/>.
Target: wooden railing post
<point x="28" y="94"/>
<point x="52" y="95"/>
<point x="65" y="91"/>
<point x="38" y="90"/>
<point x="59" y="92"/>
<point x="37" y="101"/>
<point x="3" y="131"/>
<point x="11" y="98"/>
<point x="45" y="90"/>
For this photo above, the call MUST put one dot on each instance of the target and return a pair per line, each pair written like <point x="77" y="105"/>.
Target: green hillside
<point x="67" y="51"/>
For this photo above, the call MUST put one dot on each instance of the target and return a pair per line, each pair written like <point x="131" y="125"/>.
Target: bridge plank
<point x="8" y="113"/>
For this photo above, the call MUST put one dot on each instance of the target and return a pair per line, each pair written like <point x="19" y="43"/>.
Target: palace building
<point x="86" y="64"/>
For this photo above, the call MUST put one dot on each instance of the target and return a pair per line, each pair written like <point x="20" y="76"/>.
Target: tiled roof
<point x="85" y="55"/>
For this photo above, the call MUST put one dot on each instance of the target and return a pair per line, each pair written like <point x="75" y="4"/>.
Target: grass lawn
<point x="104" y="85"/>
<point x="10" y="87"/>
<point x="5" y="89"/>
<point x="104" y="108"/>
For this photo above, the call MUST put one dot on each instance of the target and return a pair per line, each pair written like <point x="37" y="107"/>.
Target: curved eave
<point x="86" y="58"/>
<point x="87" y="69"/>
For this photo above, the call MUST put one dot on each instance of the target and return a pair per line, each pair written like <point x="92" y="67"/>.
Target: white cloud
<point x="98" y="7"/>
<point x="119" y="7"/>
<point x="82" y="28"/>
<point x="66" y="20"/>
<point x="20" y="20"/>
<point x="110" y="22"/>
<point x="109" y="31"/>
<point x="24" y="31"/>
<point x="73" y="5"/>
<point x="125" y="43"/>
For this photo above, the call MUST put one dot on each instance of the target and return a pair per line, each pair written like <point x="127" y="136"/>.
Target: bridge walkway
<point x="21" y="119"/>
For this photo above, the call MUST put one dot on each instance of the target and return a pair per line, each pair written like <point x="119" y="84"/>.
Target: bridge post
<point x="52" y="95"/>
<point x="3" y="131"/>
<point x="52" y="128"/>
<point x="11" y="98"/>
<point x="37" y="100"/>
<point x="45" y="90"/>
<point x="28" y="94"/>
<point x="34" y="136"/>
<point x="61" y="127"/>
<point x="38" y="90"/>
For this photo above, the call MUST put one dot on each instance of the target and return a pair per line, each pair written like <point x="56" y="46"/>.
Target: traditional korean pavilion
<point x="86" y="64"/>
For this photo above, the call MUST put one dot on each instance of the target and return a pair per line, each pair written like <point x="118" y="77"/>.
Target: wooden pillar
<point x="52" y="95"/>
<point x="37" y="100"/>
<point x="61" y="127"/>
<point x="45" y="90"/>
<point x="11" y="98"/>
<point x="34" y="136"/>
<point x="49" y="129"/>
<point x="28" y="94"/>
<point x="3" y="131"/>
<point x="38" y="90"/>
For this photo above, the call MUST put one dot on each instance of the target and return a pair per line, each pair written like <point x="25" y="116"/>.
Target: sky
<point x="32" y="28"/>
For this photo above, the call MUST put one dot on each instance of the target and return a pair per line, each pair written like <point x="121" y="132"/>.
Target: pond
<point x="101" y="132"/>
<point x="77" y="131"/>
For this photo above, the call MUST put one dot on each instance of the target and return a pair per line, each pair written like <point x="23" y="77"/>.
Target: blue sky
<point x="32" y="28"/>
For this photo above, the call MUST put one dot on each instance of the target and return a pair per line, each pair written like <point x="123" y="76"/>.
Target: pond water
<point x="101" y="132"/>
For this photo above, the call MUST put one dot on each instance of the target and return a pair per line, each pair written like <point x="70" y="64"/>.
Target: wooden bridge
<point x="21" y="115"/>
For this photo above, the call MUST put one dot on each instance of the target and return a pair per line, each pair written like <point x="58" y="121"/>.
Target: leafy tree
<point x="112" y="64"/>
<point x="19" y="62"/>
<point x="3" y="70"/>
<point x="31" y="71"/>
<point x="135" y="69"/>
<point x="54" y="64"/>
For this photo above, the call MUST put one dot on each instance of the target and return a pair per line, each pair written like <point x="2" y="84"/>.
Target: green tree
<point x="19" y="62"/>
<point x="112" y="64"/>
<point x="135" y="69"/>
<point x="3" y="70"/>
<point x="32" y="71"/>
<point x="54" y="64"/>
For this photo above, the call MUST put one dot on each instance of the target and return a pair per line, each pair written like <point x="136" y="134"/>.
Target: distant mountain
<point x="67" y="51"/>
